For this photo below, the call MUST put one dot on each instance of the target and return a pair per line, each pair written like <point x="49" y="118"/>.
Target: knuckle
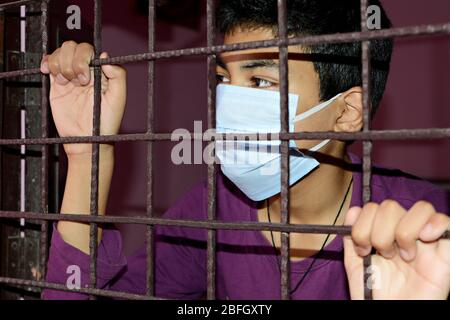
<point x="389" y="205"/>
<point x="69" y="43"/>
<point x="370" y="206"/>
<point x="358" y="236"/>
<point x="53" y="63"/>
<point x="79" y="66"/>
<point x="402" y="235"/>
<point x="380" y="242"/>
<point x="67" y="71"/>
<point x="85" y="46"/>
<point x="425" y="206"/>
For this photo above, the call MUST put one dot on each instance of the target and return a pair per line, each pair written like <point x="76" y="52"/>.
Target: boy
<point x="403" y="223"/>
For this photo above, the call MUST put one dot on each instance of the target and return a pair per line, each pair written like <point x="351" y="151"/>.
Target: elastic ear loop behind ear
<point x="312" y="111"/>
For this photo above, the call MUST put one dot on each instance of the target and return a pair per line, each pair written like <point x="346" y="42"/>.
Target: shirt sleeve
<point x="69" y="266"/>
<point x="180" y="259"/>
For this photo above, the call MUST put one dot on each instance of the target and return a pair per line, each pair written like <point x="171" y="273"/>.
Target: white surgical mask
<point x="254" y="166"/>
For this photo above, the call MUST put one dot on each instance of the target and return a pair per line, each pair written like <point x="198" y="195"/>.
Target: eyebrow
<point x="263" y="63"/>
<point x="270" y="64"/>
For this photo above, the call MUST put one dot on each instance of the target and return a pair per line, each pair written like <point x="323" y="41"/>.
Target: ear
<point x="351" y="108"/>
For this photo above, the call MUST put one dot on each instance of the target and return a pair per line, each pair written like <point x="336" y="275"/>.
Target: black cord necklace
<point x="322" y="247"/>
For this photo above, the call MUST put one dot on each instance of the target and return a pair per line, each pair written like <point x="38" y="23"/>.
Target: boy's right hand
<point x="72" y="93"/>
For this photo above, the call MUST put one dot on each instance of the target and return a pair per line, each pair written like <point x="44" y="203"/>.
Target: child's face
<point x="259" y="68"/>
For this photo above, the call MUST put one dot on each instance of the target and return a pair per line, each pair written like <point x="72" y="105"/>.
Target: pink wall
<point x="418" y="96"/>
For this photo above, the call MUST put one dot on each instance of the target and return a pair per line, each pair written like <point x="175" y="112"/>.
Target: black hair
<point x="338" y="64"/>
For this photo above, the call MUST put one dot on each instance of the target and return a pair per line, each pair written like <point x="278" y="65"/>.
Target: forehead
<point x="240" y="35"/>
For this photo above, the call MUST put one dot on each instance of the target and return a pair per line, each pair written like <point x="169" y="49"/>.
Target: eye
<point x="261" y="83"/>
<point x="222" y="79"/>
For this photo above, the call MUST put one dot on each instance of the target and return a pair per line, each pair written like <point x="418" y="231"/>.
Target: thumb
<point x="116" y="76"/>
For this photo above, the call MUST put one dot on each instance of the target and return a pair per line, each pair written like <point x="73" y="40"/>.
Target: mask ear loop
<point x="319" y="107"/>
<point x="309" y="113"/>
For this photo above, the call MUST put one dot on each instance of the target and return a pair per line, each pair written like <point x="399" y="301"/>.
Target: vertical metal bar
<point x="367" y="144"/>
<point x="23" y="112"/>
<point x="93" y="243"/>
<point x="211" y="242"/>
<point x="284" y="119"/>
<point x="44" y="148"/>
<point x="150" y="129"/>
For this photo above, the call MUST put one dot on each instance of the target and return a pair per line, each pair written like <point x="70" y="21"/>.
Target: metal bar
<point x="306" y="40"/>
<point x="211" y="89"/>
<point x="378" y="135"/>
<point x="93" y="243"/>
<point x="44" y="148"/>
<point x="367" y="144"/>
<point x="216" y="224"/>
<point x="60" y="287"/>
<point x="284" y="122"/>
<point x="150" y="280"/>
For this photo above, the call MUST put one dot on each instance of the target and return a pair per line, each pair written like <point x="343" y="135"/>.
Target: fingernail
<point x="405" y="254"/>
<point x="45" y="68"/>
<point x="361" y="251"/>
<point x="427" y="230"/>
<point x="82" y="78"/>
<point x="387" y="253"/>
<point x="60" y="78"/>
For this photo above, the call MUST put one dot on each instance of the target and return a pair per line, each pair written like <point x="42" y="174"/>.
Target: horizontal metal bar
<point x="19" y="73"/>
<point x="306" y="40"/>
<point x="212" y="225"/>
<point x="60" y="287"/>
<point x="403" y="134"/>
<point x="14" y="4"/>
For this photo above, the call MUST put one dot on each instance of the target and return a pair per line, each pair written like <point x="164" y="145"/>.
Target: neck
<point x="316" y="198"/>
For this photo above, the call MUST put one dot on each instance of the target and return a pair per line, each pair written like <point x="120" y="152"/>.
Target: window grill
<point x="367" y="136"/>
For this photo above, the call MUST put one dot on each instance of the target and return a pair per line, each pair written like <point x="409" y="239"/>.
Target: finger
<point x="55" y="69"/>
<point x="116" y="76"/>
<point x="66" y="59"/>
<point x="352" y="261"/>
<point x="44" y="65"/>
<point x="385" y="224"/>
<point x="84" y="53"/>
<point x="410" y="226"/>
<point x="435" y="227"/>
<point x="349" y="248"/>
<point x="362" y="230"/>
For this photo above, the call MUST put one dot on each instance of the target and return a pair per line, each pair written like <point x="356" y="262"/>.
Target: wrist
<point x="106" y="155"/>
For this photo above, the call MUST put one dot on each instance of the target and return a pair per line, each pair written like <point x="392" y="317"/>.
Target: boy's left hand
<point x="410" y="263"/>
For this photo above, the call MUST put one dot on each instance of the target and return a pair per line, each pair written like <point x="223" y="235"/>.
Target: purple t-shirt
<point x="247" y="266"/>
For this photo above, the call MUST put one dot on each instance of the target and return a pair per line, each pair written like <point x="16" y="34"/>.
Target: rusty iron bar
<point x="44" y="148"/>
<point x="212" y="169"/>
<point x="367" y="144"/>
<point x="305" y="40"/>
<point x="149" y="234"/>
<point x="93" y="235"/>
<point x="90" y="291"/>
<point x="282" y="42"/>
<point x="284" y="165"/>
<point x="216" y="224"/>
<point x="403" y="134"/>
